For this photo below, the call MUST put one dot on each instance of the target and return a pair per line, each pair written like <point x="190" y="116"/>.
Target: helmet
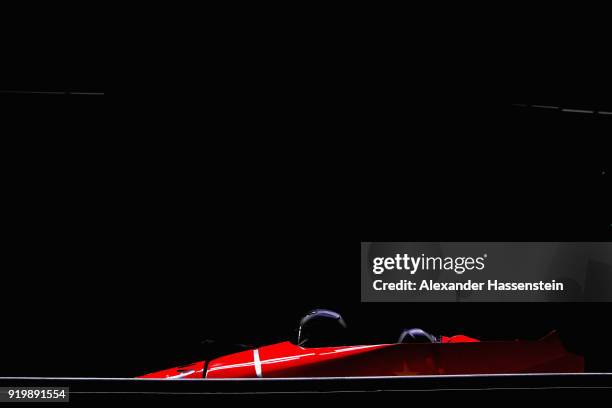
<point x="416" y="336"/>
<point x="321" y="328"/>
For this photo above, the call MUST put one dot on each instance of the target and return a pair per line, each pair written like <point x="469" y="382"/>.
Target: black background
<point x="137" y="226"/>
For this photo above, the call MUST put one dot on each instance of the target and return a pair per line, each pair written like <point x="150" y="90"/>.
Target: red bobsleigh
<point x="415" y="353"/>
